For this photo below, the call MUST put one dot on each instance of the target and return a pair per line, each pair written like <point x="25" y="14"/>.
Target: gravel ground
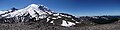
<point x="36" y="26"/>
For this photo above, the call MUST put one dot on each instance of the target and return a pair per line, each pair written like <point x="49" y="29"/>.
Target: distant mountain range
<point x="35" y="12"/>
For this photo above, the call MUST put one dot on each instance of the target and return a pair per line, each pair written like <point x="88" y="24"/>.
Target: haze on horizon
<point x="74" y="7"/>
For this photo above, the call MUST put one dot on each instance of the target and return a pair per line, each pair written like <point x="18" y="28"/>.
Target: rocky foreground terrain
<point x="37" y="26"/>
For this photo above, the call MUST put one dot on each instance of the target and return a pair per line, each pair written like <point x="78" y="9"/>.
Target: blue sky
<point x="74" y="7"/>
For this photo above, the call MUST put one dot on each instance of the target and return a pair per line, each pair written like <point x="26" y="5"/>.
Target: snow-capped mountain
<point x="36" y="12"/>
<point x="33" y="9"/>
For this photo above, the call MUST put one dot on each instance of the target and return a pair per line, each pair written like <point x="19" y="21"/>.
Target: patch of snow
<point x="59" y="17"/>
<point x="54" y="18"/>
<point x="48" y="19"/>
<point x="67" y="23"/>
<point x="51" y="22"/>
<point x="55" y="14"/>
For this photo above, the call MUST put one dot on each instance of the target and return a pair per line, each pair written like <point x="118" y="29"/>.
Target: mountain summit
<point x="33" y="9"/>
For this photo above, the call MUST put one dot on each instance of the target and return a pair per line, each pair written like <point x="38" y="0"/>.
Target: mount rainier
<point x="35" y="12"/>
